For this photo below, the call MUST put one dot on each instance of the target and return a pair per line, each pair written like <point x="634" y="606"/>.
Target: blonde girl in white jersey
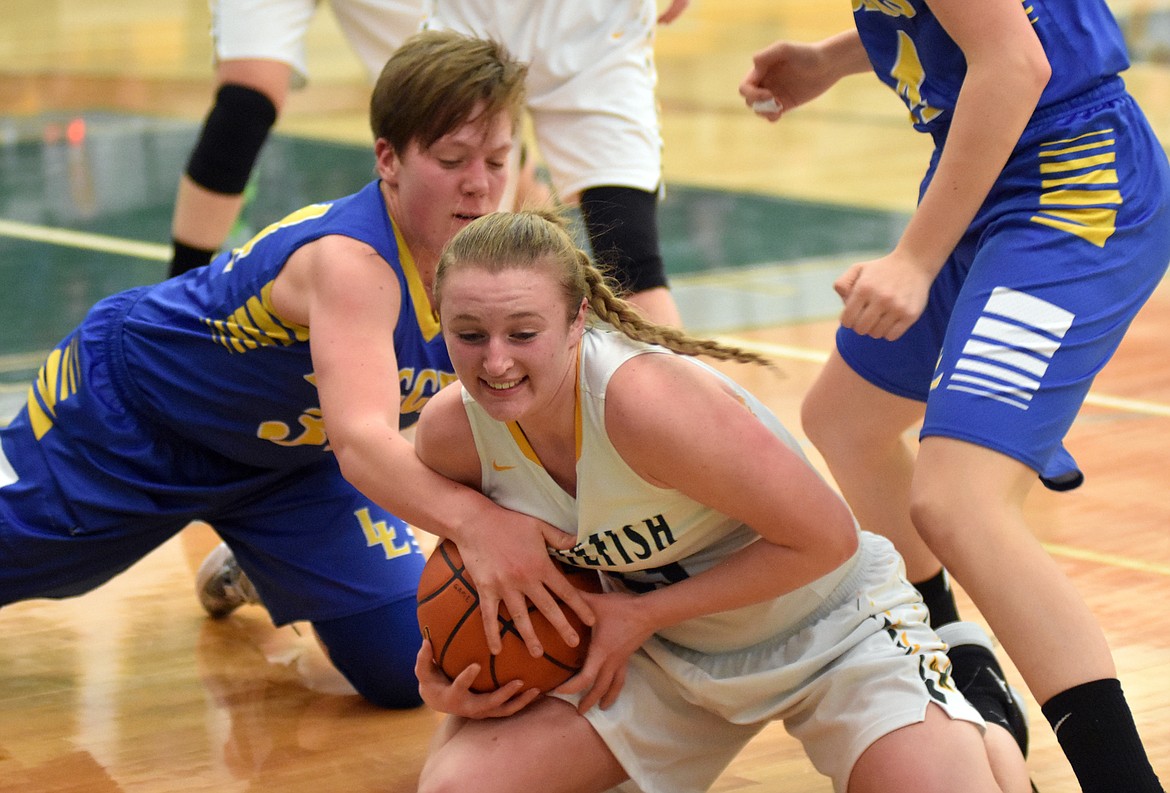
<point x="739" y="589"/>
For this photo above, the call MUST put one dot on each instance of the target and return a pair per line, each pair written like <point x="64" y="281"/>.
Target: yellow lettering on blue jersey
<point x="893" y="8"/>
<point x="381" y="533"/>
<point x="910" y="75"/>
<point x="419" y="387"/>
<point x="312" y="425"/>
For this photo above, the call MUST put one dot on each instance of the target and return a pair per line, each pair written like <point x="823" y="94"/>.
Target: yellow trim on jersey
<point x="522" y="442"/>
<point x="1094" y="133"/>
<point x="57" y="380"/>
<point x="1081" y="197"/>
<point x="255" y="324"/>
<point x="1100" y="176"/>
<point x="1095" y="225"/>
<point x="428" y="319"/>
<point x="1090" y="214"/>
<point x="1074" y="165"/>
<point x="521" y="439"/>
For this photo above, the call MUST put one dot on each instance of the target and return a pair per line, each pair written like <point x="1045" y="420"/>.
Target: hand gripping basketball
<point x="449" y="616"/>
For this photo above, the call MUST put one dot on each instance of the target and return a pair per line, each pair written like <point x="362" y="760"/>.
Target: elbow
<point x="845" y="544"/>
<point x="1031" y="70"/>
<point x="1040" y="71"/>
<point x="840" y="544"/>
<point x="348" y="461"/>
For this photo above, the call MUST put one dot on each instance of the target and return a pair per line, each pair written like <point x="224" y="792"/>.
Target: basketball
<point x="449" y="616"/>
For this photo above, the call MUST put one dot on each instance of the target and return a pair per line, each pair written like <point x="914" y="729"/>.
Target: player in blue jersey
<point x="266" y="393"/>
<point x="1043" y="225"/>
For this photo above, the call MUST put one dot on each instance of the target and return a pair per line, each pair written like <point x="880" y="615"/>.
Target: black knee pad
<point x="230" y="142"/>
<point x="622" y="223"/>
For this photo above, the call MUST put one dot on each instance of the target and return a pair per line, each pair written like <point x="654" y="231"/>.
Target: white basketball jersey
<point x="643" y="535"/>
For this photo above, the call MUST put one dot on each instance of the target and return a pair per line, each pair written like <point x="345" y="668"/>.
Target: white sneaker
<point x="220" y="584"/>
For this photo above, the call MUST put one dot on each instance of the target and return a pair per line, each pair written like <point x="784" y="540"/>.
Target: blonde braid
<point x="539" y="239"/>
<point x="625" y="317"/>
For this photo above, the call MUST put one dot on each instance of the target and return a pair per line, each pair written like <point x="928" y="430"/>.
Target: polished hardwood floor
<point x="131" y="689"/>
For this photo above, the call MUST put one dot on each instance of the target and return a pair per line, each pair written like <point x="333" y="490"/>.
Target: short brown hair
<point x="436" y="80"/>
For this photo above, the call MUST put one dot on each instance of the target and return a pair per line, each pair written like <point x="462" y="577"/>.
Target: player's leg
<point x="211" y="188"/>
<point x="1042" y="309"/>
<point x="599" y="135"/>
<point x="860" y="430"/>
<point x="968" y="504"/>
<point x="890" y="670"/>
<point x="937" y="755"/>
<point x="316" y="550"/>
<point x="547" y="746"/>
<point x="622" y="224"/>
<point x="42" y="557"/>
<point x="978" y="676"/>
<point x="259" y="49"/>
<point x="375" y="650"/>
<point x="71" y="517"/>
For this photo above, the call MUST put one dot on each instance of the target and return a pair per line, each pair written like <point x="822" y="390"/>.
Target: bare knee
<point x="440" y="777"/>
<point x="964" y="494"/>
<point x="847" y="418"/>
<point x="831" y="423"/>
<point x="934" y="511"/>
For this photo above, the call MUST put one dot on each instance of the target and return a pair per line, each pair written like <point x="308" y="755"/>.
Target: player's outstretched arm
<point x="350" y="298"/>
<point x="788" y="74"/>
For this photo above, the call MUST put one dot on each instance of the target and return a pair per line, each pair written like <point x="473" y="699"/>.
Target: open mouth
<point x="506" y="385"/>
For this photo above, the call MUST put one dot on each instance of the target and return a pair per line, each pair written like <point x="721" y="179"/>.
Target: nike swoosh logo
<point x="499" y="467"/>
<point x="999" y="680"/>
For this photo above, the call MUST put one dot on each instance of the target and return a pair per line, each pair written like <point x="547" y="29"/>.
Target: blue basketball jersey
<point x="207" y="353"/>
<point x="202" y="366"/>
<point x="193" y="399"/>
<point x="169" y="397"/>
<point x="912" y="53"/>
<point x="1069" y="244"/>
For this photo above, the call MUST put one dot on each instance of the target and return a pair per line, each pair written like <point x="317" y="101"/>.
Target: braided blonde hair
<point x="538" y="238"/>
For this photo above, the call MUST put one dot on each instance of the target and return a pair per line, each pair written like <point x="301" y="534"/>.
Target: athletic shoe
<point x="222" y="587"/>
<point x="978" y="675"/>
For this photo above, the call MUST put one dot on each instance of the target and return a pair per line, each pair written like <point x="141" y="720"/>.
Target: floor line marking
<point x="1107" y="559"/>
<point x="789" y="353"/>
<point x="84" y="240"/>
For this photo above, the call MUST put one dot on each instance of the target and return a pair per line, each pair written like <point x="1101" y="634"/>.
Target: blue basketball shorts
<point x="1036" y="297"/>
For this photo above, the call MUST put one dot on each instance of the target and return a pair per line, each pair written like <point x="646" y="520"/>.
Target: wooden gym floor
<point x="131" y="689"/>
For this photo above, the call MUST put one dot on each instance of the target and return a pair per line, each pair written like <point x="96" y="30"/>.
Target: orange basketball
<point x="449" y="615"/>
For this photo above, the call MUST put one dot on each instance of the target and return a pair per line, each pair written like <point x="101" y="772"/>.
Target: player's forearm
<point x="991" y="113"/>
<point x="391" y="474"/>
<point x="847" y="53"/>
<point x="762" y="571"/>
